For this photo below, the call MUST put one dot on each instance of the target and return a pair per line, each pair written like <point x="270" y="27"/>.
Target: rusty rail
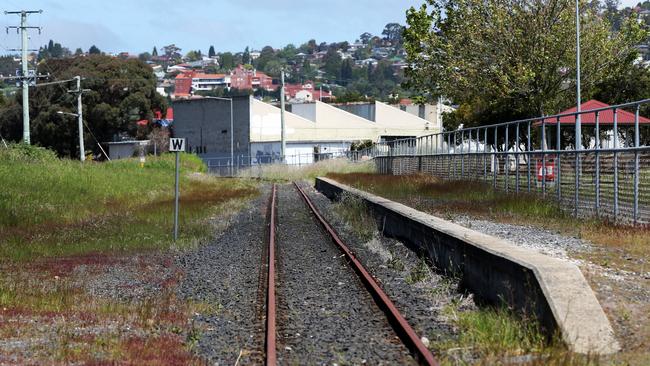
<point x="271" y="357"/>
<point x="399" y="323"/>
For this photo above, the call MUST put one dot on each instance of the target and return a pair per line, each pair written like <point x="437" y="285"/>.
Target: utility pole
<point x="25" y="77"/>
<point x="283" y="143"/>
<point x="79" y="92"/>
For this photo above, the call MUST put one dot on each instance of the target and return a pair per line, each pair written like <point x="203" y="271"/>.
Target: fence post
<point x="485" y="145"/>
<point x="529" y="155"/>
<point x="495" y="159"/>
<point x="558" y="160"/>
<point x="597" y="164"/>
<point x="517" y="158"/>
<point x="506" y="166"/>
<point x="615" y="164"/>
<point x="544" y="148"/>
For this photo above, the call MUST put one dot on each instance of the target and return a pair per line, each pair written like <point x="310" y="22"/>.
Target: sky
<point x="230" y="25"/>
<point x="136" y="26"/>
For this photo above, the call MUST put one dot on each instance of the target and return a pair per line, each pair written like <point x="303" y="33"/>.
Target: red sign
<point x="545" y="170"/>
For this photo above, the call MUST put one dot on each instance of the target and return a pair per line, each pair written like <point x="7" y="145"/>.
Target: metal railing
<point x="606" y="174"/>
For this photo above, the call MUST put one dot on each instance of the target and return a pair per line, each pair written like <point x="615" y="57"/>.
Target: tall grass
<point x="52" y="207"/>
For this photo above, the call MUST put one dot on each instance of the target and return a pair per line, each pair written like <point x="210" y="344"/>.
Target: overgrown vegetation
<point x="448" y="198"/>
<point x="52" y="207"/>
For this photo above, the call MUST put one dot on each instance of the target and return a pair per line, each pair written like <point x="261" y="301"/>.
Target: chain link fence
<point x="607" y="175"/>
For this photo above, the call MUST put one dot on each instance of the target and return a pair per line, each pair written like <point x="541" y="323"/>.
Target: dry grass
<point x="617" y="249"/>
<point x="49" y="319"/>
<point x="284" y="173"/>
<point x="443" y="198"/>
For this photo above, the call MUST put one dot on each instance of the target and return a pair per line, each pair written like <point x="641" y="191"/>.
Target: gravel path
<point x="325" y="316"/>
<point x="541" y="240"/>
<point x="228" y="275"/>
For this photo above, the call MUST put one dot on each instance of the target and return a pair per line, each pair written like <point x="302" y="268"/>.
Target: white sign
<point x="176" y="144"/>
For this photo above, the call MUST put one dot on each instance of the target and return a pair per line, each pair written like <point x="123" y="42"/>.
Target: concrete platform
<point x="498" y="271"/>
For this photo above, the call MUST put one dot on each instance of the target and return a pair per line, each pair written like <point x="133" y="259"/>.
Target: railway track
<point x="286" y="316"/>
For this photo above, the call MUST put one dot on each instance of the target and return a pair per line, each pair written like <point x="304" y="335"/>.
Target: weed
<point x="419" y="272"/>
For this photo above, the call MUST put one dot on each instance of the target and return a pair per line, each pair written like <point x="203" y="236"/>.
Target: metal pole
<point x="495" y="160"/>
<point x="637" y="143"/>
<point x="283" y="144"/>
<point x="517" y="158"/>
<point x="529" y="156"/>
<point x="507" y="164"/>
<point x="597" y="164"/>
<point x="615" y="164"/>
<point x="82" y="150"/>
<point x="558" y="161"/>
<point x="25" y="75"/>
<point x="578" y="98"/>
<point x="176" y="194"/>
<point x="232" y="137"/>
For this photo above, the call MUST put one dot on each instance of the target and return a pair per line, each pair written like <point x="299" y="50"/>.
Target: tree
<point x="211" y="52"/>
<point x="194" y="55"/>
<point x="246" y="57"/>
<point x="78" y="52"/>
<point x="332" y="61"/>
<point x="227" y="61"/>
<point x="144" y="57"/>
<point x="172" y="53"/>
<point x="93" y="50"/>
<point x="502" y="60"/>
<point x="267" y="54"/>
<point x="365" y="37"/>
<point x="346" y="71"/>
<point x="121" y="93"/>
<point x="393" y="33"/>
<point x="154" y="53"/>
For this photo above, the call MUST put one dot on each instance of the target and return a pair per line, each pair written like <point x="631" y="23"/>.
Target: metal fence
<point x="254" y="166"/>
<point x="607" y="174"/>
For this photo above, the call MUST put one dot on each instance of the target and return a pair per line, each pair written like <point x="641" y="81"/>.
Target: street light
<point x="578" y="117"/>
<point x="232" y="133"/>
<point x="82" y="155"/>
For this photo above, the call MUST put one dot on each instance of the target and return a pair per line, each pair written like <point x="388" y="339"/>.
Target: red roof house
<point x="605" y="117"/>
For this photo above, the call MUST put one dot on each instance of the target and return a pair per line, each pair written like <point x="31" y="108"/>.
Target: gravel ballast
<point x="420" y="293"/>
<point x="325" y="315"/>
<point x="228" y="275"/>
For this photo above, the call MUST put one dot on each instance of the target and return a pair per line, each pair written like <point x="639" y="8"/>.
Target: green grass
<point x="51" y="207"/>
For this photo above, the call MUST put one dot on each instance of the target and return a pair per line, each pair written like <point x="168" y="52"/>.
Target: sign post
<point x="176" y="145"/>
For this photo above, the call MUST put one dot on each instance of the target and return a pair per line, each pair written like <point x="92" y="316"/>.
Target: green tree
<point x="93" y="50"/>
<point x="393" y="33"/>
<point x="194" y="55"/>
<point x="211" y="52"/>
<point x="267" y="54"/>
<point x="145" y="56"/>
<point x="121" y="93"/>
<point x="78" y="52"/>
<point x="227" y="61"/>
<point x="510" y="59"/>
<point x="332" y="62"/>
<point x="346" y="71"/>
<point x="246" y="57"/>
<point x="154" y="53"/>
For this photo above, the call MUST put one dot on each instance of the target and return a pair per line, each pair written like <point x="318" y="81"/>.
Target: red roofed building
<point x="186" y="83"/>
<point x="183" y="84"/>
<point x="605" y="117"/>
<point x="306" y="92"/>
<point x="244" y="79"/>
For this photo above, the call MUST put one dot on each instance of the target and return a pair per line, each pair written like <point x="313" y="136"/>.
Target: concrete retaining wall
<point x="498" y="271"/>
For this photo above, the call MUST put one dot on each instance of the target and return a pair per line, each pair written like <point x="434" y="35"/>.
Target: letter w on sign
<point x="176" y="144"/>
